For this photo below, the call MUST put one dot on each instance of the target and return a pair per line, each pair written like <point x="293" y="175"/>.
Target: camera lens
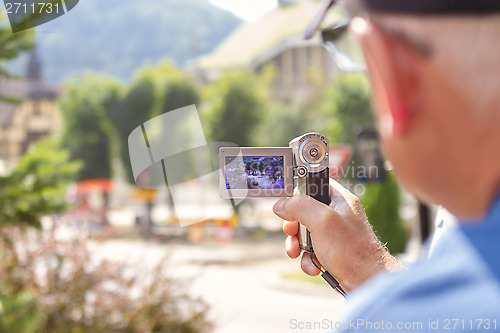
<point x="313" y="152"/>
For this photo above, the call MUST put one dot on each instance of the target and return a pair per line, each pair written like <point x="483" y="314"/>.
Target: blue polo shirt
<point x="456" y="289"/>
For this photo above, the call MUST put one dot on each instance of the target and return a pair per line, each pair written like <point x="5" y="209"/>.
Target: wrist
<point x="391" y="264"/>
<point x="376" y="259"/>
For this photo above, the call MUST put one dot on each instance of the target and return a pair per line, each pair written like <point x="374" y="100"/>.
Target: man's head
<point x="438" y="111"/>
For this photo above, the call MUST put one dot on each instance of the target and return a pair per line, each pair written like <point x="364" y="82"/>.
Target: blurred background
<point x="86" y="250"/>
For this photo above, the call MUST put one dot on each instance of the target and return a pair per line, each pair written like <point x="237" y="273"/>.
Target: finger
<point x="338" y="191"/>
<point x="278" y="208"/>
<point x="290" y="228"/>
<point x="316" y="260"/>
<point x="306" y="210"/>
<point x="307" y="265"/>
<point x="292" y="247"/>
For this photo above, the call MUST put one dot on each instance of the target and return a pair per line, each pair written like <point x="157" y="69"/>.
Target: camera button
<point x="301" y="171"/>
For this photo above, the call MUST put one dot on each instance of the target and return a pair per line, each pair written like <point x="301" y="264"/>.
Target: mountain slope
<point x="118" y="36"/>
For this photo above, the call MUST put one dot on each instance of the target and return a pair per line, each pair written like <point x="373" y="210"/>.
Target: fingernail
<point x="278" y="206"/>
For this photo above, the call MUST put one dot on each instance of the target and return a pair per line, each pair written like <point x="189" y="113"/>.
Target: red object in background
<point x="339" y="157"/>
<point x="102" y="185"/>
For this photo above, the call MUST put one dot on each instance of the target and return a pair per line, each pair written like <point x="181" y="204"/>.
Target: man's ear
<point x="394" y="70"/>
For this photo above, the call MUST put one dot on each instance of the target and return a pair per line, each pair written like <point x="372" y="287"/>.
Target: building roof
<point x="34" y="67"/>
<point x="30" y="89"/>
<point x="23" y="90"/>
<point x="253" y="39"/>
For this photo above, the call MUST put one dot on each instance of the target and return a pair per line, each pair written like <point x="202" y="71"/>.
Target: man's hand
<point x="343" y="239"/>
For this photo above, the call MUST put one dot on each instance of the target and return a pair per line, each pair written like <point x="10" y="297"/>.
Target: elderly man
<point x="434" y="67"/>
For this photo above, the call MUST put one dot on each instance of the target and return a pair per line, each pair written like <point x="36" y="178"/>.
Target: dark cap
<point x="414" y="7"/>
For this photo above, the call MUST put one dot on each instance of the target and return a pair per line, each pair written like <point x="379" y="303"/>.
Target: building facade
<point x="32" y="117"/>
<point x="275" y="41"/>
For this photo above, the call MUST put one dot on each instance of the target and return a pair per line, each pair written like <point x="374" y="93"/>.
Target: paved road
<point x="241" y="282"/>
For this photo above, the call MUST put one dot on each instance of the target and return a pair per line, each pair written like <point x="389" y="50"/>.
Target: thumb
<point x="305" y="210"/>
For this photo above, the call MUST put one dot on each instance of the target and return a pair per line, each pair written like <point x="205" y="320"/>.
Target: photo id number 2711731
<point x="471" y="324"/>
<point x="34" y="8"/>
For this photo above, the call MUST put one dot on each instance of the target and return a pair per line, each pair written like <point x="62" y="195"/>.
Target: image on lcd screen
<point x="255" y="172"/>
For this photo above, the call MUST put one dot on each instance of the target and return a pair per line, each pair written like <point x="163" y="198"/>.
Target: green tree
<point x="11" y="45"/>
<point x="36" y="186"/>
<point x="161" y="76"/>
<point x="87" y="128"/>
<point x="234" y="106"/>
<point x="282" y="122"/>
<point x="136" y="107"/>
<point x="346" y="108"/>
<point x="180" y="93"/>
<point x="155" y="90"/>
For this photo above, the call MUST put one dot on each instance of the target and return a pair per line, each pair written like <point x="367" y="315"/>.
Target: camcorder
<point x="300" y="168"/>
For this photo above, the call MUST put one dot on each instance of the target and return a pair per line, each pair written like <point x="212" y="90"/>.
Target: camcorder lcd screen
<point x="255" y="172"/>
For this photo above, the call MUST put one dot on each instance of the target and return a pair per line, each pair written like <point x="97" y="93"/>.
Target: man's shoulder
<point x="456" y="283"/>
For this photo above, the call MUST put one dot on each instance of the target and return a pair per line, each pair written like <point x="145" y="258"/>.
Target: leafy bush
<point x="381" y="202"/>
<point x="51" y="286"/>
<point x="75" y="294"/>
<point x="36" y="186"/>
<point x="18" y="313"/>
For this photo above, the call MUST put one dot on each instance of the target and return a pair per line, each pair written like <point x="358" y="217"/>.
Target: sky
<point x="248" y="10"/>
